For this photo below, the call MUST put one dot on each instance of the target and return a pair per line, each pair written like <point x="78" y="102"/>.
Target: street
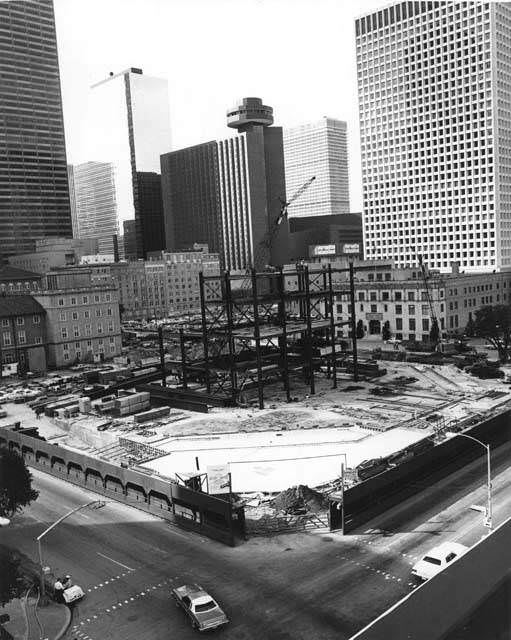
<point x="314" y="586"/>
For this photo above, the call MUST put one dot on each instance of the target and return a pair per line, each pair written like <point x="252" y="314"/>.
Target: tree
<point x="15" y="483"/>
<point x="434" y="333"/>
<point x="12" y="584"/>
<point x="360" y="333"/>
<point x="386" y="333"/>
<point x="470" y="328"/>
<point x="494" y="324"/>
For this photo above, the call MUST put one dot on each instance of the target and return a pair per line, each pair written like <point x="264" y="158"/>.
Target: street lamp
<point x="94" y="503"/>
<point x="488" y="516"/>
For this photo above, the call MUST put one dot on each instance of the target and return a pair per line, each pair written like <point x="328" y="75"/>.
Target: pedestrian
<point x="58" y="590"/>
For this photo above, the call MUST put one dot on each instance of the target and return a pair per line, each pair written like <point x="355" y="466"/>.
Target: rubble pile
<point x="299" y="499"/>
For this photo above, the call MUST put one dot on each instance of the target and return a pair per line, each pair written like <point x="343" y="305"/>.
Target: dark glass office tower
<point x="34" y="193"/>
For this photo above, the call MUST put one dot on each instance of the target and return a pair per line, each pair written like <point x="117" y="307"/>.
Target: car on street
<point x="4" y="521"/>
<point x="72" y="594"/>
<point x="202" y="609"/>
<point x="437" y="559"/>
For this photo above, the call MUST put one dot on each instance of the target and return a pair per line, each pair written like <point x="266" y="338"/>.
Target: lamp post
<point x="96" y="503"/>
<point x="488" y="516"/>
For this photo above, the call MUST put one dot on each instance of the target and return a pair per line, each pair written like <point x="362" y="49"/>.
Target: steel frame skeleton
<point x="282" y="324"/>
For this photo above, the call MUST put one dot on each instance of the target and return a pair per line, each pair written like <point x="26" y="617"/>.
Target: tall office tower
<point x="228" y="193"/>
<point x="434" y="84"/>
<point x="317" y="149"/>
<point x="34" y="194"/>
<point x="129" y="240"/>
<point x="130" y="127"/>
<point x="92" y="189"/>
<point x="191" y="197"/>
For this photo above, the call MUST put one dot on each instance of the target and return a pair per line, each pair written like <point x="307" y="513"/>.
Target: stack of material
<point x="152" y="414"/>
<point x="84" y="405"/>
<point x="133" y="403"/>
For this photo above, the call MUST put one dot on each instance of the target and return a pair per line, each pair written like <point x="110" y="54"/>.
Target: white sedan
<point x="437" y="559"/>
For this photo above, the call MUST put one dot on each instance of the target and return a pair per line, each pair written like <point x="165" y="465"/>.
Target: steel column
<point x="309" y="328"/>
<point x="353" y="323"/>
<point x="257" y="336"/>
<point x="184" y="378"/>
<point x="283" y="337"/>
<point x="204" y="330"/>
<point x="228" y="299"/>
<point x="332" y="326"/>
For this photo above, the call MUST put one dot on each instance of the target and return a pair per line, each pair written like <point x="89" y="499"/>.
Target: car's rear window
<point x="432" y="560"/>
<point x="207" y="606"/>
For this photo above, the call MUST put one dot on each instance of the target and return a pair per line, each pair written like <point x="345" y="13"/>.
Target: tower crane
<point x="434" y="320"/>
<point x="268" y="238"/>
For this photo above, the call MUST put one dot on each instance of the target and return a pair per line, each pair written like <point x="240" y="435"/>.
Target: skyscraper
<point x="34" y="194"/>
<point x="228" y="193"/>
<point x="130" y="127"/>
<point x="92" y="189"/>
<point x="317" y="149"/>
<point x="434" y="84"/>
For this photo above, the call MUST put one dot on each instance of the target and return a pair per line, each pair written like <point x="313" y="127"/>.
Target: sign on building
<point x="351" y="248"/>
<point x="219" y="478"/>
<point x="324" y="250"/>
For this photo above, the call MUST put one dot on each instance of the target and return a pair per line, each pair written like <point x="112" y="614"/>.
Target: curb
<point x="65" y="627"/>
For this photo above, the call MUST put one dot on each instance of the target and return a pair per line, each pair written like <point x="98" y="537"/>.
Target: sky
<point x="297" y="55"/>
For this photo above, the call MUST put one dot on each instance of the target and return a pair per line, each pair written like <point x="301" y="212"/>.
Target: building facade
<point x="82" y="317"/>
<point x="93" y="204"/>
<point x="23" y="333"/>
<point x="54" y="252"/>
<point x="325" y="236"/>
<point x="399" y="297"/>
<point x="130" y="126"/>
<point x="434" y="86"/>
<point x="317" y="149"/>
<point x="14" y="280"/>
<point x="34" y="194"/>
<point x="229" y="193"/>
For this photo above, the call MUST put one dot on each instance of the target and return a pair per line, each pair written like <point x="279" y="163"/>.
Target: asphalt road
<point x="303" y="586"/>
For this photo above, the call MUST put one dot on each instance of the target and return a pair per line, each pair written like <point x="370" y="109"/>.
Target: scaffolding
<point x="268" y="327"/>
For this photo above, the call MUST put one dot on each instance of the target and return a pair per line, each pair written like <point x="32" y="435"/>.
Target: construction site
<point x="274" y="397"/>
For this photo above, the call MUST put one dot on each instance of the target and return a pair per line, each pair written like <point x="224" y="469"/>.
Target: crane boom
<point x="434" y="319"/>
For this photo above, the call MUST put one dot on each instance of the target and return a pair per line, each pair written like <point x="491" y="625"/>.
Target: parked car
<point x="203" y="611"/>
<point x="73" y="593"/>
<point x="437" y="559"/>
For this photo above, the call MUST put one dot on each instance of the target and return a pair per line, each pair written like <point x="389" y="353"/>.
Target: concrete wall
<point x="435" y="609"/>
<point x="134" y="488"/>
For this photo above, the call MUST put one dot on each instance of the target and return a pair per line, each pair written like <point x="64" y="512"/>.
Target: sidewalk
<point x="53" y="618"/>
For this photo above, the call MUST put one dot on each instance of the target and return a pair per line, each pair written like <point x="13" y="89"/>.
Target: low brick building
<point x="23" y="333"/>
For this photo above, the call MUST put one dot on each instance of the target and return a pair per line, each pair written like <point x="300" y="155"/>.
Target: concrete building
<point x="93" y="204"/>
<point x="82" y="317"/>
<point x="228" y="193"/>
<point x="326" y="236"/>
<point x="23" y="333"/>
<point x="398" y="296"/>
<point x="317" y="149"/>
<point x="130" y="126"/>
<point x="434" y="85"/>
<point x="54" y="252"/>
<point x="129" y="241"/>
<point x="34" y="194"/>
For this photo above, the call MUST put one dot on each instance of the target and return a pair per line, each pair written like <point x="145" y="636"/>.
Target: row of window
<point x="75" y="315"/>
<point x="84" y="299"/>
<point x="20" y="320"/>
<point x="21" y="336"/>
<point x="88" y="330"/>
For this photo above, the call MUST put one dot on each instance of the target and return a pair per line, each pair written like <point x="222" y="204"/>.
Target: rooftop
<point x="9" y="273"/>
<point x="19" y="306"/>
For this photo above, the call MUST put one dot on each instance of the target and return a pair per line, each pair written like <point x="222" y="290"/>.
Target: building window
<point x="85" y="299"/>
<point x="425" y="324"/>
<point x="399" y="323"/>
<point x="36" y="319"/>
<point x="339" y="308"/>
<point x="411" y="309"/>
<point x="98" y="313"/>
<point x="22" y="337"/>
<point x="5" y="322"/>
<point x="66" y="355"/>
<point x="411" y="295"/>
<point x="38" y="340"/>
<point x="88" y="330"/>
<point x="108" y="297"/>
<point x="109" y="311"/>
<point x="20" y="321"/>
<point x="398" y="295"/>
<point x="425" y="309"/>
<point x="110" y="327"/>
<point x="62" y="316"/>
<point x="96" y="298"/>
<point x="373" y="295"/>
<point x="361" y="296"/>
<point x="100" y="327"/>
<point x="112" y="348"/>
<point x="399" y="309"/>
<point x="75" y="315"/>
<point x="385" y="295"/>
<point x="65" y="347"/>
<point x="73" y="300"/>
<point x="374" y="308"/>
<point x="61" y="302"/>
<point x="86" y="314"/>
<point x="6" y="338"/>
<point x="112" y="340"/>
<point x="76" y="331"/>
<point x="63" y="332"/>
<point x="411" y="324"/>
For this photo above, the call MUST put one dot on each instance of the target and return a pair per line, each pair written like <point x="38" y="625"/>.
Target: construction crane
<point x="434" y="320"/>
<point x="266" y="242"/>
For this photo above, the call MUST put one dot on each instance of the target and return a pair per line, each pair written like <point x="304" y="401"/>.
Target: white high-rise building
<point x="317" y="149"/>
<point x="434" y="84"/>
<point x="93" y="204"/>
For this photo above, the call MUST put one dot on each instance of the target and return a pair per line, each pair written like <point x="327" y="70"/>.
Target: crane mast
<point x="434" y="319"/>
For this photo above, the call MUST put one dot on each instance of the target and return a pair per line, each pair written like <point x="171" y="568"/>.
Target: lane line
<point x="112" y="560"/>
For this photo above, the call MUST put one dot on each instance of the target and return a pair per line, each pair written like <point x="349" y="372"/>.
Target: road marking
<point x="112" y="560"/>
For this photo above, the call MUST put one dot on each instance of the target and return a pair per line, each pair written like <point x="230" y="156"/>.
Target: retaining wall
<point x="151" y="494"/>
<point x="375" y="495"/>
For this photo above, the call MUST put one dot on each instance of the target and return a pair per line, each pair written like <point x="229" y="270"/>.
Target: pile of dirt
<point x="299" y="499"/>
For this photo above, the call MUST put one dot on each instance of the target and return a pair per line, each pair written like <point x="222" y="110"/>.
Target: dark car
<point x="370" y="468"/>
